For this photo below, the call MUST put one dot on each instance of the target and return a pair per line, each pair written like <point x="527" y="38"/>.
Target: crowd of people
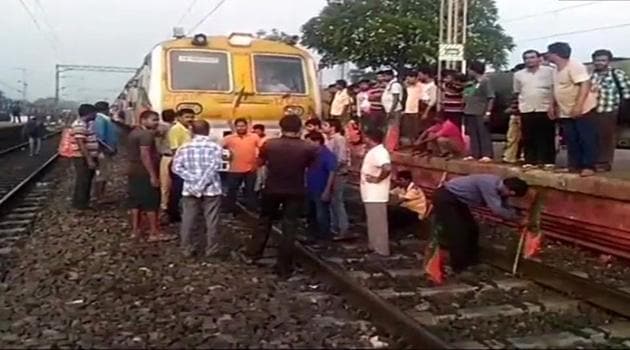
<point x="178" y="173"/>
<point x="450" y="116"/>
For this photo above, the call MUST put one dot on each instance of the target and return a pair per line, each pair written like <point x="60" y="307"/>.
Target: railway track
<point x="485" y="307"/>
<point x="21" y="195"/>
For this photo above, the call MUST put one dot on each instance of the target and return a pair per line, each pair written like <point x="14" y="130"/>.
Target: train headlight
<point x="296" y="110"/>
<point x="196" y="107"/>
<point x="238" y="39"/>
<point x="200" y="40"/>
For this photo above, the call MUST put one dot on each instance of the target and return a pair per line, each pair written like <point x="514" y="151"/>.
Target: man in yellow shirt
<point x="410" y="195"/>
<point x="178" y="135"/>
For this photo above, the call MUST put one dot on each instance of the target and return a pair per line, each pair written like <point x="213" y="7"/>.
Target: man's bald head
<point x="200" y="127"/>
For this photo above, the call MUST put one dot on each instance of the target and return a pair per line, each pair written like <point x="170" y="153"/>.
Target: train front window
<point x="199" y="70"/>
<point x="279" y="74"/>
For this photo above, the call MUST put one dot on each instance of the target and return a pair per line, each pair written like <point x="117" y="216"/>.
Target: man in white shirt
<point x="375" y="185"/>
<point x="411" y="118"/>
<point x="534" y="87"/>
<point x="340" y="107"/>
<point x="428" y="98"/>
<point x="574" y="105"/>
<point x="363" y="102"/>
<point x="392" y="103"/>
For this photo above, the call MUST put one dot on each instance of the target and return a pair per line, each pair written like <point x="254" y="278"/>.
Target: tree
<point x="375" y="33"/>
<point x="277" y="35"/>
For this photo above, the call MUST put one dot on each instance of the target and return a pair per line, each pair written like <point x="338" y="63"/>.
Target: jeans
<point x="34" y="145"/>
<point x="339" y="215"/>
<point x="539" y="138"/>
<point x="480" y="138"/>
<point x="82" y="183"/>
<point x="175" y="197"/>
<point x="580" y="135"/>
<point x="234" y="181"/>
<point x="318" y="217"/>
<point x="197" y="210"/>
<point x="274" y="206"/>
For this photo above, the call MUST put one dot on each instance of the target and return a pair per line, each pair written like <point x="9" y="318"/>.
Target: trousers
<point x="338" y="213"/>
<point x="234" y="182"/>
<point x="277" y="206"/>
<point x="318" y="217"/>
<point x="377" y="227"/>
<point x="581" y="137"/>
<point x="195" y="211"/>
<point x="539" y="138"/>
<point x="34" y="145"/>
<point x="607" y="137"/>
<point x="82" y="183"/>
<point x="175" y="197"/>
<point x="480" y="138"/>
<point x="165" y="181"/>
<point x="511" y="154"/>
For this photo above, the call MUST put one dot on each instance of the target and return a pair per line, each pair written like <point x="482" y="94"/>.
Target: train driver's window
<point x="279" y="74"/>
<point x="199" y="70"/>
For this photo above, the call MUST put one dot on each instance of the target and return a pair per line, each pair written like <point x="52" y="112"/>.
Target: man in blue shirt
<point x="320" y="178"/>
<point x="454" y="226"/>
<point x="107" y="135"/>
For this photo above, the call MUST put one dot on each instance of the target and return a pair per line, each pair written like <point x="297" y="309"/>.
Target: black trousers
<point x="234" y="182"/>
<point x="82" y="183"/>
<point x="173" y="210"/>
<point x="275" y="206"/>
<point x="456" y="229"/>
<point x="539" y="138"/>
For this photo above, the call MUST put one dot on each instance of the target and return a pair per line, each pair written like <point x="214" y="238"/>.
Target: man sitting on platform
<point x="443" y="139"/>
<point x="455" y="228"/>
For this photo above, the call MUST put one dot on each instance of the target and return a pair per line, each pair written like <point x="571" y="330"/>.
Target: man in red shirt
<point x="443" y="139"/>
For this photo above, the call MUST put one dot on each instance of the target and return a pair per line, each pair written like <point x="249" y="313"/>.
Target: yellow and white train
<point x="223" y="78"/>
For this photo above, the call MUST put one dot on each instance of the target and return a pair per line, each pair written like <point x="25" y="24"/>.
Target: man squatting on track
<point x="455" y="227"/>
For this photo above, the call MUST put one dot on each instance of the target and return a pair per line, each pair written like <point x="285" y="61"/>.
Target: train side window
<point x="199" y="70"/>
<point x="279" y="74"/>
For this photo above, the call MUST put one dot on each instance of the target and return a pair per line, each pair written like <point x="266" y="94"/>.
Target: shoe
<point x="528" y="166"/>
<point x="469" y="158"/>
<point x="485" y="160"/>
<point x="587" y="173"/>
<point x="212" y="251"/>
<point x="549" y="167"/>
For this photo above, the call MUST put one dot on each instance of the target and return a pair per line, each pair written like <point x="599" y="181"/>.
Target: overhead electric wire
<point x="39" y="27"/>
<point x="205" y="18"/>
<point x="9" y="86"/>
<point x="534" y="15"/>
<point x="191" y="4"/>
<point x="614" y="26"/>
<point x="46" y="22"/>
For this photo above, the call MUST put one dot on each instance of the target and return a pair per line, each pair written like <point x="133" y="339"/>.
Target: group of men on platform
<point x="550" y="89"/>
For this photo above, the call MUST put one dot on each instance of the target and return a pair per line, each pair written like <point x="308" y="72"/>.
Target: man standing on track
<point x="177" y="136"/>
<point x="34" y="130"/>
<point x="243" y="146"/>
<point x="534" y="87"/>
<point x="166" y="156"/>
<point x="375" y="185"/>
<point x="287" y="159"/>
<point x="107" y="134"/>
<point x="337" y="143"/>
<point x="392" y="102"/>
<point x="198" y="163"/>
<point x="16" y="112"/>
<point x="454" y="226"/>
<point x="85" y="155"/>
<point x="143" y="178"/>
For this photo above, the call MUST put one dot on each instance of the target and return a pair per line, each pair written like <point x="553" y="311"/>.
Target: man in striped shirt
<point x="85" y="148"/>
<point x="453" y="96"/>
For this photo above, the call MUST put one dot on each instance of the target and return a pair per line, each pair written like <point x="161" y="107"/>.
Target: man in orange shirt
<point x="243" y="147"/>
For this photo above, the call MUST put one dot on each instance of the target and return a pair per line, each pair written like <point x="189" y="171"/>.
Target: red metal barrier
<point x="590" y="212"/>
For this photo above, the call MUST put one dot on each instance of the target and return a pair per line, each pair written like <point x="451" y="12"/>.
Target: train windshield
<point x="279" y="74"/>
<point x="199" y="70"/>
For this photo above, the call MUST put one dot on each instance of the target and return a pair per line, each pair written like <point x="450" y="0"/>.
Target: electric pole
<point x="453" y="30"/>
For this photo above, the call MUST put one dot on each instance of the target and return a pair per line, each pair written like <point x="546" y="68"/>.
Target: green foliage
<point x="374" y="33"/>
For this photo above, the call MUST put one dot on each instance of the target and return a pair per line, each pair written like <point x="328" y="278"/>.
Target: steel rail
<point x="25" y="182"/>
<point x="25" y="144"/>
<point x="383" y="313"/>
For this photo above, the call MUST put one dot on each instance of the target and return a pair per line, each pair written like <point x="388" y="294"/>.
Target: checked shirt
<point x="198" y="163"/>
<point x="609" y="94"/>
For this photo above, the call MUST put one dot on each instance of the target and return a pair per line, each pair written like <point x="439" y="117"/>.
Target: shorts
<point x="104" y="170"/>
<point x="141" y="194"/>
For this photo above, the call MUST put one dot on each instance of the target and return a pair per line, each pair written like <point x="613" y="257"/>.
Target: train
<point x="222" y="78"/>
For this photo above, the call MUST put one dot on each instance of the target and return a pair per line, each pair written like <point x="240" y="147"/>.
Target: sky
<point x="121" y="33"/>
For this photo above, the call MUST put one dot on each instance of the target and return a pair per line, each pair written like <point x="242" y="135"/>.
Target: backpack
<point x="65" y="144"/>
<point x="624" y="104"/>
